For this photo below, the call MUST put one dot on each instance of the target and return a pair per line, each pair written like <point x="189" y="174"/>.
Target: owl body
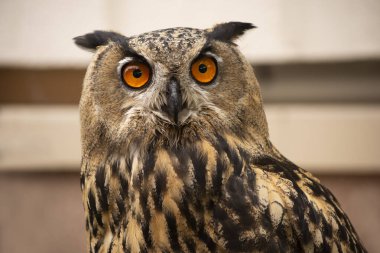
<point x="177" y="157"/>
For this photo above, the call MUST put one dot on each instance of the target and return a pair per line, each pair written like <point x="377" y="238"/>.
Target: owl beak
<point x="173" y="100"/>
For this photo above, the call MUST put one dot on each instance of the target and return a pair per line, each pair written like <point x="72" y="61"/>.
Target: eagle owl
<point x="176" y="155"/>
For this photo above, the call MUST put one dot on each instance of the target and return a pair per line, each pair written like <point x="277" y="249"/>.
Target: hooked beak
<point x="173" y="100"/>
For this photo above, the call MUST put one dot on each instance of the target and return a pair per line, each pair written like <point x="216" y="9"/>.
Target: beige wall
<point x="39" y="33"/>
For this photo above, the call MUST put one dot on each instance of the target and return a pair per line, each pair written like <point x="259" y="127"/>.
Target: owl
<point x="176" y="155"/>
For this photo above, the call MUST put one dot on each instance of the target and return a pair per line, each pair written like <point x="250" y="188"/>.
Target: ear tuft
<point x="98" y="38"/>
<point x="228" y="32"/>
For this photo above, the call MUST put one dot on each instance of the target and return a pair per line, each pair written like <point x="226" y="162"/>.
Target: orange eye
<point x="204" y="69"/>
<point x="136" y="74"/>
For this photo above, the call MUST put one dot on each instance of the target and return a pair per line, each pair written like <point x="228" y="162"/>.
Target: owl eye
<point x="204" y="69"/>
<point x="135" y="74"/>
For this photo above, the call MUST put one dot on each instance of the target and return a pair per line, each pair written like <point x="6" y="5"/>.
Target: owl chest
<point x="178" y="201"/>
<point x="182" y="201"/>
<point x="161" y="202"/>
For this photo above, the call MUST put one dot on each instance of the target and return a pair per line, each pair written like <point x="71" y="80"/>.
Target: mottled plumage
<point x="200" y="175"/>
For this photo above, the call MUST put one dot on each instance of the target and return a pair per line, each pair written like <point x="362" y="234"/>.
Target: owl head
<point x="170" y="86"/>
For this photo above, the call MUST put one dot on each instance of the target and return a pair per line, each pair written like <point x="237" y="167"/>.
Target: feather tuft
<point x="228" y="32"/>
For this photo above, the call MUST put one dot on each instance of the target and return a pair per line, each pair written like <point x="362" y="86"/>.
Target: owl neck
<point x="192" y="160"/>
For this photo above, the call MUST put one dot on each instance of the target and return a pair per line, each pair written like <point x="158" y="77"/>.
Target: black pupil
<point x="137" y="73"/>
<point x="202" y="68"/>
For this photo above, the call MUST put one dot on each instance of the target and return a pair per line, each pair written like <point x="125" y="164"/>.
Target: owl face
<point x="172" y="85"/>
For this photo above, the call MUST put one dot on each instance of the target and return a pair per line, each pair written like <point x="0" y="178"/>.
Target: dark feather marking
<point x="120" y="207"/>
<point x="199" y="162"/>
<point x="173" y="233"/>
<point x="149" y="161"/>
<point x="95" y="231"/>
<point x="128" y="164"/>
<point x="82" y="180"/>
<point x="236" y="161"/>
<point x="264" y="160"/>
<point x="272" y="246"/>
<point x="217" y="179"/>
<point x="238" y="202"/>
<point x="116" y="219"/>
<point x="158" y="196"/>
<point x="222" y="145"/>
<point x="112" y="227"/>
<point x="352" y="244"/>
<point x="93" y="210"/>
<point x="219" y="213"/>
<point x="125" y="224"/>
<point x="227" y="32"/>
<point x="210" y="205"/>
<point x="261" y="243"/>
<point x="282" y="238"/>
<point x="124" y="243"/>
<point x="87" y="224"/>
<point x="100" y="38"/>
<point x="123" y="187"/>
<point x="119" y="232"/>
<point x="190" y="244"/>
<point x="245" y="155"/>
<point x="103" y="189"/>
<point x="185" y="211"/>
<point x="299" y="208"/>
<point x="197" y="203"/>
<point x="91" y="251"/>
<point x="138" y="179"/>
<point x="98" y="244"/>
<point x="146" y="219"/>
<point x="251" y="180"/>
<point x="115" y="167"/>
<point x="203" y="236"/>
<point x="231" y="231"/>
<point x="316" y="188"/>
<point x="326" y="227"/>
<point x="183" y="158"/>
<point x="111" y="247"/>
<point x="314" y="215"/>
<point x="272" y="164"/>
<point x="266" y="220"/>
<point x="298" y="246"/>
<point x="339" y="247"/>
<point x="325" y="247"/>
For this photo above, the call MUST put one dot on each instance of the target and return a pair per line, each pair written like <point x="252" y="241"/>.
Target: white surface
<point x="328" y="137"/>
<point x="323" y="138"/>
<point x="40" y="32"/>
<point x="39" y="137"/>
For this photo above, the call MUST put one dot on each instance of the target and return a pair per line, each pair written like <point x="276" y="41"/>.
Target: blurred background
<point x="318" y="63"/>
